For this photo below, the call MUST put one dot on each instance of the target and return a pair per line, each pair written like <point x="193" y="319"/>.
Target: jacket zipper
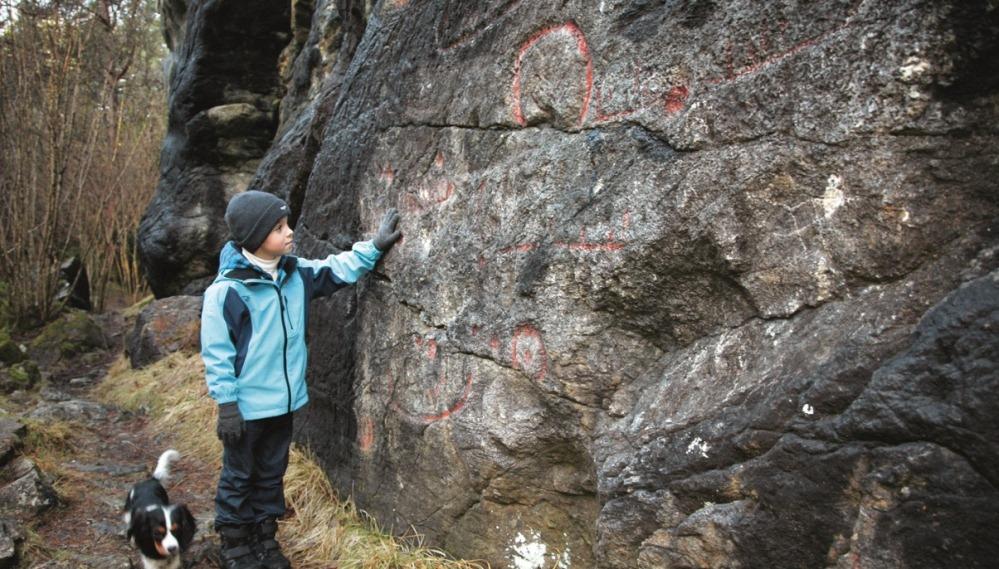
<point x="284" y="353"/>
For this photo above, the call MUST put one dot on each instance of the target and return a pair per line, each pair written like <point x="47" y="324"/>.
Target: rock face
<point x="224" y="90"/>
<point x="683" y="284"/>
<point x="163" y="327"/>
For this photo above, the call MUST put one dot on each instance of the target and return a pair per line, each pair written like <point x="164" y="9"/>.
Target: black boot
<point x="237" y="550"/>
<point x="267" y="548"/>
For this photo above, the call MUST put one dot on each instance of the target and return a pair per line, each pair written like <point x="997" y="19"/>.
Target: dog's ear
<point x="136" y="519"/>
<point x="188" y="526"/>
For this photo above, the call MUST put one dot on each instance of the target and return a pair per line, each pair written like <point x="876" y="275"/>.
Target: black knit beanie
<point x="251" y="215"/>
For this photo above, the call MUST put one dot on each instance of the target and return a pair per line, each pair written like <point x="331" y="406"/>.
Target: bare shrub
<point x="82" y="114"/>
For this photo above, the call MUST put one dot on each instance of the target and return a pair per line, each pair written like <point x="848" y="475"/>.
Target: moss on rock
<point x="24" y="375"/>
<point x="10" y="352"/>
<point x="74" y="332"/>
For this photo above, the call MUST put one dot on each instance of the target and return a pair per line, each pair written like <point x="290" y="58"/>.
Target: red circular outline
<point x="584" y="50"/>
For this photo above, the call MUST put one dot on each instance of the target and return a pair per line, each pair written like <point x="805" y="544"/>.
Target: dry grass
<point x="50" y="444"/>
<point x="323" y="531"/>
<point x="132" y="311"/>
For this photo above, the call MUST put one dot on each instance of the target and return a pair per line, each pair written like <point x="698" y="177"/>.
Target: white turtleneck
<point x="269" y="267"/>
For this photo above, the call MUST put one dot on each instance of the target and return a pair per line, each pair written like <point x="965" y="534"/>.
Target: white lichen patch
<point x="833" y="197"/>
<point x="824" y="279"/>
<point x="808" y="409"/>
<point x="531" y="552"/>
<point x="913" y="69"/>
<point x="564" y="560"/>
<point x="699" y="445"/>
<point x="528" y="552"/>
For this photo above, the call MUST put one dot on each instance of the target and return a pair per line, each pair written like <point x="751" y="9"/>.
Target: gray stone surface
<point x="164" y="326"/>
<point x="683" y="284"/>
<point x="12" y="434"/>
<point x="11" y="535"/>
<point x="224" y="94"/>
<point x="70" y="410"/>
<point x="29" y="494"/>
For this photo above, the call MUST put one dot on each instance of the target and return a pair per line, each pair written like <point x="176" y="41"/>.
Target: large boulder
<point x="224" y="95"/>
<point x="24" y="375"/>
<point x="10" y="350"/>
<point x="164" y="326"/>
<point x="683" y="284"/>
<point x="12" y="434"/>
<point x="74" y="332"/>
<point x="11" y="536"/>
<point x="28" y="494"/>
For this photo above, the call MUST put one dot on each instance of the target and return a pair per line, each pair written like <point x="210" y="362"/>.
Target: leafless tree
<point x="82" y="114"/>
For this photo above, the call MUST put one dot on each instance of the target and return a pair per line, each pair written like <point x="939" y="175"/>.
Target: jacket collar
<point x="234" y="265"/>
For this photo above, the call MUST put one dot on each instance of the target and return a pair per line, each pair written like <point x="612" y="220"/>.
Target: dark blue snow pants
<point x="251" y="486"/>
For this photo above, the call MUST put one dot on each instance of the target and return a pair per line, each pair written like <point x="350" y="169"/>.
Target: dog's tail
<point x="162" y="471"/>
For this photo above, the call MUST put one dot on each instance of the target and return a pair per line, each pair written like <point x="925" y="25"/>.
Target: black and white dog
<point x="161" y="531"/>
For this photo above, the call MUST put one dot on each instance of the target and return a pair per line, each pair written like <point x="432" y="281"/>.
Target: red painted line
<point x="428" y="418"/>
<point x="522" y="248"/>
<point x="581" y="46"/>
<point x="675" y="99"/>
<point x="477" y="30"/>
<point x="366" y="435"/>
<point x="593" y="246"/>
<point x="733" y="74"/>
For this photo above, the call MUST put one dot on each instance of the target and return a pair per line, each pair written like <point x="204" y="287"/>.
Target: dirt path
<point x="112" y="450"/>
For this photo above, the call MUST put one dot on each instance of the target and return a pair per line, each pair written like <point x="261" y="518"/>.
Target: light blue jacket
<point x="253" y="327"/>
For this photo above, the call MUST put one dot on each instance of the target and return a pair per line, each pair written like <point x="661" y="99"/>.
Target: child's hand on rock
<point x="387" y="233"/>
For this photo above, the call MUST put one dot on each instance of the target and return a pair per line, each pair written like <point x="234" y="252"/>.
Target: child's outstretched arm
<point x="324" y="276"/>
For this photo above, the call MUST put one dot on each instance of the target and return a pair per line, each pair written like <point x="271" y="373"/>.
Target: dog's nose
<point x="172" y="549"/>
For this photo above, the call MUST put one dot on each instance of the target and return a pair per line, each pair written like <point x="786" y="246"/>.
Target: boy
<point x="253" y="326"/>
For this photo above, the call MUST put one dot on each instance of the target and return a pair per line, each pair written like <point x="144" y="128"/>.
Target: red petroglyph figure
<point x="527" y="351"/>
<point x="642" y="94"/>
<point x="428" y="195"/>
<point x="633" y="100"/>
<point x="755" y="57"/>
<point x="365" y="434"/>
<point x="675" y="99"/>
<point x="437" y="401"/>
<point x="584" y="50"/>
<point x="473" y="21"/>
<point x="610" y="242"/>
<point x="387" y="175"/>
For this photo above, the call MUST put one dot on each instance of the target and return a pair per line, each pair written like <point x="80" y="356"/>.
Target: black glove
<point x="387" y="233"/>
<point x="230" y="428"/>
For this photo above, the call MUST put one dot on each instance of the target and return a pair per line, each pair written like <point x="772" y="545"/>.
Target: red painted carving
<point x="527" y="351"/>
<point x="584" y="50"/>
<point x="675" y="99"/>
<point x="755" y="57"/>
<point x="639" y="97"/>
<point x="440" y="400"/>
<point x="365" y="434"/>
<point x="472" y="31"/>
<point x="430" y="194"/>
<point x="610" y="242"/>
